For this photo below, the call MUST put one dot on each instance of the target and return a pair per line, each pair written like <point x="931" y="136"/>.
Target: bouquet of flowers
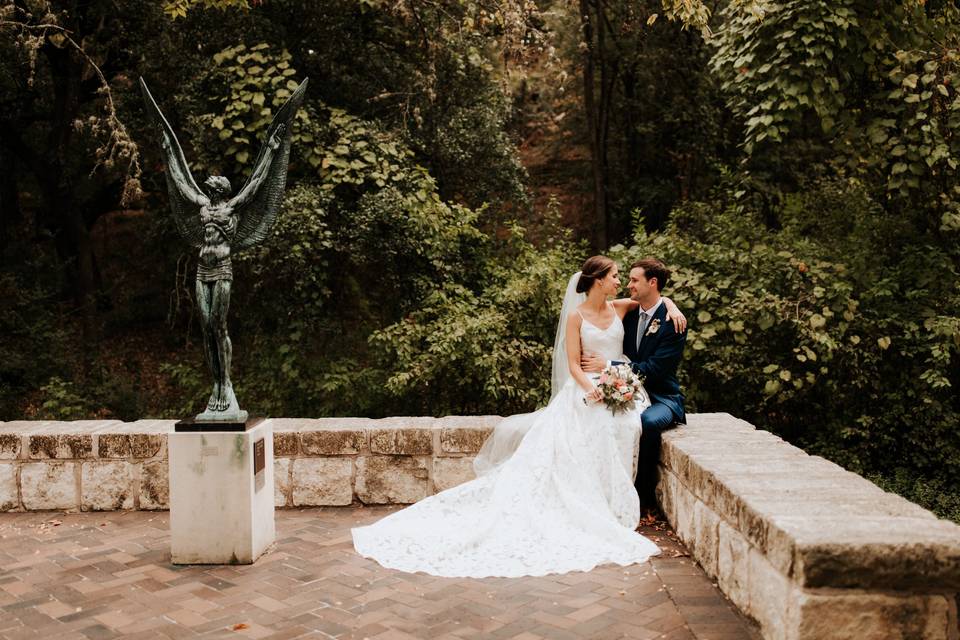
<point x="620" y="387"/>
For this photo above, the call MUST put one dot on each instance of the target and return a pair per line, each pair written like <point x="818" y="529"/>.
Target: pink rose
<point x="628" y="395"/>
<point x="603" y="378"/>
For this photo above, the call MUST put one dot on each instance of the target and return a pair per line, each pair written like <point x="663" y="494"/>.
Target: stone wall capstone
<point x="806" y="548"/>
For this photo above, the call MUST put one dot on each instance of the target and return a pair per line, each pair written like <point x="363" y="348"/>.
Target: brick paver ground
<point x="109" y="575"/>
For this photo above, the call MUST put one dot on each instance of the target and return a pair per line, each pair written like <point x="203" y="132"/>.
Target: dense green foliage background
<point x="796" y="163"/>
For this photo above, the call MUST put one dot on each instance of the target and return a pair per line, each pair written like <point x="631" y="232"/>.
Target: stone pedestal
<point x="221" y="495"/>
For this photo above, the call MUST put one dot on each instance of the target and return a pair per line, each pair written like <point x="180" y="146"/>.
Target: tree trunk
<point x="10" y="213"/>
<point x="609" y="70"/>
<point x="63" y="214"/>
<point x="632" y="151"/>
<point x="592" y="117"/>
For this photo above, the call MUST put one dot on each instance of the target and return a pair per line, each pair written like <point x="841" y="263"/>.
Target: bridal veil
<point x="506" y="437"/>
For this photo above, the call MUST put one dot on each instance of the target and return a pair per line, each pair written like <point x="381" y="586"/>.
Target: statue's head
<point x="218" y="186"/>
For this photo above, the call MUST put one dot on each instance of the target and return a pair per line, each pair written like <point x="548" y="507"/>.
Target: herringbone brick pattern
<point x="109" y="575"/>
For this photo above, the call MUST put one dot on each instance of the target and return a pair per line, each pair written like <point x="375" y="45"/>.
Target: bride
<point x="554" y="489"/>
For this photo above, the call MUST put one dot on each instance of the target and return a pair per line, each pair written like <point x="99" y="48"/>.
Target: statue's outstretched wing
<point x="259" y="200"/>
<point x="185" y="196"/>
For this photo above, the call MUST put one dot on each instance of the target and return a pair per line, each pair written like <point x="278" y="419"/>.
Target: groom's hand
<point x="592" y="363"/>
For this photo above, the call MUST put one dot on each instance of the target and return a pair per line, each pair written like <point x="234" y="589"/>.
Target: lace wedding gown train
<point x="563" y="501"/>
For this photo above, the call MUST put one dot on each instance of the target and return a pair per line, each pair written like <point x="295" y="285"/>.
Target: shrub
<point x="839" y="332"/>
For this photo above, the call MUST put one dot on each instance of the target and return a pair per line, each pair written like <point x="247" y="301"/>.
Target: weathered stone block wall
<point x="93" y="465"/>
<point x="88" y="465"/>
<point x="804" y="547"/>
<point x="338" y="461"/>
<point x="807" y="549"/>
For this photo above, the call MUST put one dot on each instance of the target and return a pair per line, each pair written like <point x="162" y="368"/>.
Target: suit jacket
<point x="657" y="359"/>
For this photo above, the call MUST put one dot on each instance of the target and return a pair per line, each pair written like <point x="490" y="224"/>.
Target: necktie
<point x="641" y="327"/>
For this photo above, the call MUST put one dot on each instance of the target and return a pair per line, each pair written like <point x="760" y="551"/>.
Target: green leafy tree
<point x="59" y="123"/>
<point x="870" y="87"/>
<point x="483" y="345"/>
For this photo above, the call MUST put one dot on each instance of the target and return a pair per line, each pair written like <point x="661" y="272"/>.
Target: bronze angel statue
<point x="219" y="225"/>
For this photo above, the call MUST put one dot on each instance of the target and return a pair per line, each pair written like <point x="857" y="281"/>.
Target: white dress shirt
<point x="642" y="330"/>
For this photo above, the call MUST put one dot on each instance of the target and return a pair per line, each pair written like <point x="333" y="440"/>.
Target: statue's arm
<point x="257" y="204"/>
<point x="261" y="171"/>
<point x="180" y="175"/>
<point x="180" y="182"/>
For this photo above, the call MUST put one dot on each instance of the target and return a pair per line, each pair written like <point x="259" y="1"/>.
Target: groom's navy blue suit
<point x="657" y="360"/>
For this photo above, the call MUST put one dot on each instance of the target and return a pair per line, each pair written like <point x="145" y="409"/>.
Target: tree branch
<point x="119" y="144"/>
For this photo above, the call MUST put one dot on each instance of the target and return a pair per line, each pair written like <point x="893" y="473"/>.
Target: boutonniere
<point x="654" y="326"/>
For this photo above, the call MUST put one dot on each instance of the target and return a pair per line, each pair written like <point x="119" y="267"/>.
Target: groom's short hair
<point x="653" y="268"/>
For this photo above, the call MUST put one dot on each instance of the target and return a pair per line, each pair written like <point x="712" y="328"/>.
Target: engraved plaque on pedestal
<point x="259" y="456"/>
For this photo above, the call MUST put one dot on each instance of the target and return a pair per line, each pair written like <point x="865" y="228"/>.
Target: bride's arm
<point x="673" y="314"/>
<point x="623" y="305"/>
<point x="573" y="357"/>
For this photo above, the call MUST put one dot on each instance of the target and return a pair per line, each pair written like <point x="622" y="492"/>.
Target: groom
<point x="655" y="349"/>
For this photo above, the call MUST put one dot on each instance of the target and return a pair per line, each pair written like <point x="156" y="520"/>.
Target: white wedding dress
<point x="562" y="501"/>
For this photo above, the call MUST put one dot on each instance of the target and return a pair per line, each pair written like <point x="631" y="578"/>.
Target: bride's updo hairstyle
<point x="594" y="269"/>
